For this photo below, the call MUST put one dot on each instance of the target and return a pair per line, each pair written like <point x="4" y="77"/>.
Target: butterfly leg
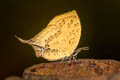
<point x="68" y="58"/>
<point x="64" y="58"/>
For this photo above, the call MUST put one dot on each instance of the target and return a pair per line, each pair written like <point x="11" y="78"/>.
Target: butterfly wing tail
<point x="21" y="40"/>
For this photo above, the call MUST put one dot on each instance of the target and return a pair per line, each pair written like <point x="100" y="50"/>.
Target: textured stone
<point x="81" y="69"/>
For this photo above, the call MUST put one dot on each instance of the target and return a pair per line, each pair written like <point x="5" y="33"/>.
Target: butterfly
<point x="59" y="39"/>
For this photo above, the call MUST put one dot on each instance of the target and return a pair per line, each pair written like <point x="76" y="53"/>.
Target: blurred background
<point x="25" y="18"/>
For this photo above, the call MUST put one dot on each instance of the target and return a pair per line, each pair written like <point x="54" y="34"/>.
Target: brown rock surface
<point x="82" y="69"/>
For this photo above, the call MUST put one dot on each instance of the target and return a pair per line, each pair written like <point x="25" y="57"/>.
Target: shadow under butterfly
<point x="59" y="39"/>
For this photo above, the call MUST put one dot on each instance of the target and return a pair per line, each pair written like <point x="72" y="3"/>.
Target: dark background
<point x="25" y="18"/>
